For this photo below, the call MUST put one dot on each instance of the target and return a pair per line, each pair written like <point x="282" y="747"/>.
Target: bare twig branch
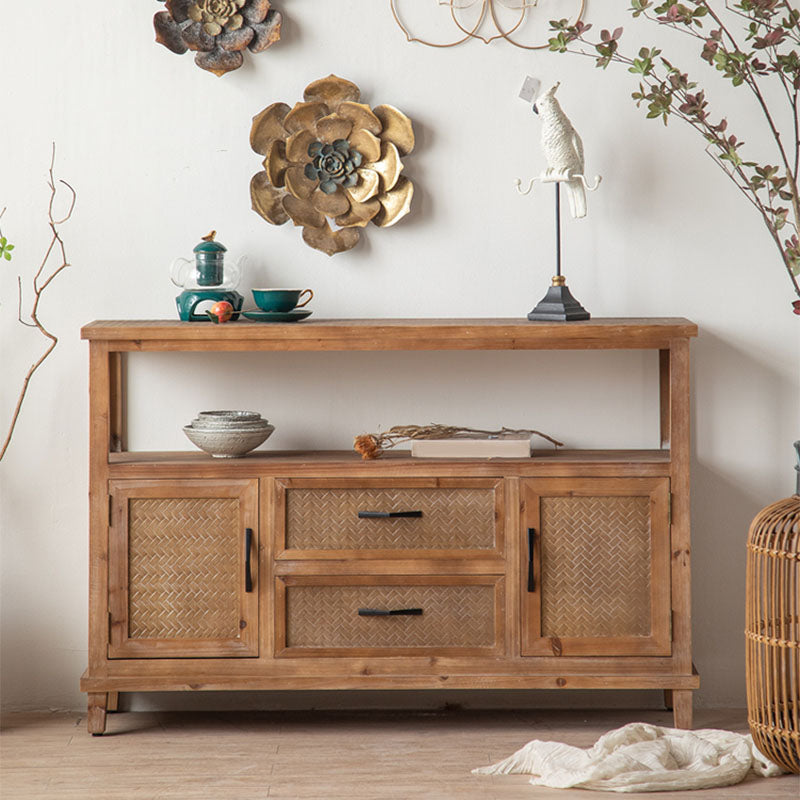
<point x="19" y="304"/>
<point x="55" y="242"/>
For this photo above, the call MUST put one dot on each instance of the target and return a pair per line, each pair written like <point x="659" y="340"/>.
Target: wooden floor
<point x="363" y="756"/>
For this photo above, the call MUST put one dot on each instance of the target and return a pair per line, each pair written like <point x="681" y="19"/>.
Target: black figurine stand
<point x="558" y="304"/>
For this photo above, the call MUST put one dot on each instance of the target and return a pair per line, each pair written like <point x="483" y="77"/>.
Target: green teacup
<point x="281" y="299"/>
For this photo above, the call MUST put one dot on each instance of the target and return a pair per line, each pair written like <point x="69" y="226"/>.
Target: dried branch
<point x="372" y="445"/>
<point x="56" y="243"/>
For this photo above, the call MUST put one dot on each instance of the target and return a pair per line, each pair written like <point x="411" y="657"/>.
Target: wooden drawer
<point x="349" y="616"/>
<point x="325" y="519"/>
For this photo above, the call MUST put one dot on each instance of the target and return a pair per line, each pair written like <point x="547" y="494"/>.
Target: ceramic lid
<point x="208" y="245"/>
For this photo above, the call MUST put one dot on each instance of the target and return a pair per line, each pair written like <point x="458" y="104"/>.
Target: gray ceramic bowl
<point x="216" y="420"/>
<point x="230" y="442"/>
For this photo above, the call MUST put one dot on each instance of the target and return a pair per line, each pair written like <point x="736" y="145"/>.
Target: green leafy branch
<point x="767" y="51"/>
<point x="5" y="247"/>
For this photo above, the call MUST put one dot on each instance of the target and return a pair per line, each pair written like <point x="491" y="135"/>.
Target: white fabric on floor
<point x="640" y="758"/>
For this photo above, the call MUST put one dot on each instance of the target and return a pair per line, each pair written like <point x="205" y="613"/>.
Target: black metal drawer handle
<point x="248" y="546"/>
<point x="396" y="612"/>
<point x="388" y="514"/>
<point x="531" y="544"/>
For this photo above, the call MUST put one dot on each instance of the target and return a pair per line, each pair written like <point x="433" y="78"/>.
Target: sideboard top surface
<point x="392" y="334"/>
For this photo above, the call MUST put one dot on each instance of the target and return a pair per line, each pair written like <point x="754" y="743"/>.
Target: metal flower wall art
<point x="217" y="30"/>
<point x="486" y="20"/>
<point x="331" y="158"/>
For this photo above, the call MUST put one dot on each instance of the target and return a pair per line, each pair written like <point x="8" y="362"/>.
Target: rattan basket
<point x="772" y="631"/>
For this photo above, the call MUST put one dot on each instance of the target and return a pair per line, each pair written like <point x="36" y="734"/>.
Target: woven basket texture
<point x="772" y="632"/>
<point x="452" y="519"/>
<point x="595" y="566"/>
<point x="453" y="616"/>
<point x="183" y="561"/>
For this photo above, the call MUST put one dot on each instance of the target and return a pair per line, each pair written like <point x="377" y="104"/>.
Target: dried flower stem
<point x="39" y="285"/>
<point x="372" y="445"/>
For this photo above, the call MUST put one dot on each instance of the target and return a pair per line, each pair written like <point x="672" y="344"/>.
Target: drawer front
<point x="446" y="516"/>
<point x="325" y="615"/>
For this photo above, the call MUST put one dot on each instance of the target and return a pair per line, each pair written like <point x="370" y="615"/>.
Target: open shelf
<point x="324" y="462"/>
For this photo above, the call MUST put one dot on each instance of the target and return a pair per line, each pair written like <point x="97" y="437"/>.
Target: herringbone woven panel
<point x="452" y="519"/>
<point x="452" y="616"/>
<point x="183" y="557"/>
<point x="595" y="566"/>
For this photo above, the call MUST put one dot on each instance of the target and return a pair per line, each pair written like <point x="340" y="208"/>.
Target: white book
<point x="498" y="447"/>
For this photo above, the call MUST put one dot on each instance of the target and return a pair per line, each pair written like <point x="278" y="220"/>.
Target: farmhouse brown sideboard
<point x="318" y="570"/>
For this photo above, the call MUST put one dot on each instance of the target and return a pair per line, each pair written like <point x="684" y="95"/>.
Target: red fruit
<point x="796" y="306"/>
<point x="221" y="311"/>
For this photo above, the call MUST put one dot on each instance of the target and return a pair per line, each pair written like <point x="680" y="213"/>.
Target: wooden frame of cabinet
<point x="513" y="661"/>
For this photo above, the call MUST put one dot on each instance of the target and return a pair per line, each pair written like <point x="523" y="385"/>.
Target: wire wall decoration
<point x="507" y="22"/>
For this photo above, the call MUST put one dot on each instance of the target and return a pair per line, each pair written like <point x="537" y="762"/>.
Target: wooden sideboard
<point x="567" y="570"/>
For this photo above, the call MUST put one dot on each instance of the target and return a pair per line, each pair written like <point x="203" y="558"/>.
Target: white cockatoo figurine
<point x="563" y="149"/>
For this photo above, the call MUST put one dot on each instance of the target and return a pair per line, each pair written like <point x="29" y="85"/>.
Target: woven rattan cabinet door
<point x="595" y="567"/>
<point x="183" y="559"/>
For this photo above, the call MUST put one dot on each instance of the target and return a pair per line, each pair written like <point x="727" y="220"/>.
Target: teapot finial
<point x="209" y="237"/>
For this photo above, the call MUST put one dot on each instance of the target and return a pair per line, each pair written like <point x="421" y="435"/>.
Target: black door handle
<point x="396" y="612"/>
<point x="388" y="514"/>
<point x="248" y="546"/>
<point x="531" y="544"/>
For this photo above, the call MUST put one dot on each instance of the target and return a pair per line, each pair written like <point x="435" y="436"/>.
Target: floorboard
<point x="320" y="755"/>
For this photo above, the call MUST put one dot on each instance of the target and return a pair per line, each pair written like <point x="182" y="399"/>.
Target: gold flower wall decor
<point x="331" y="157"/>
<point x="217" y="30"/>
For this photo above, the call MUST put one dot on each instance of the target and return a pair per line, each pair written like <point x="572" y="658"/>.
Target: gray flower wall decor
<point x="217" y="30"/>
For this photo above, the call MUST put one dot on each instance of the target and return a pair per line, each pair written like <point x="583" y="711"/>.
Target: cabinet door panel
<point x="596" y="567"/>
<point x="179" y="554"/>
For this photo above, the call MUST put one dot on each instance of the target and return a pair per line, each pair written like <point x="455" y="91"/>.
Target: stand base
<point x="188" y="301"/>
<point x="559" y="304"/>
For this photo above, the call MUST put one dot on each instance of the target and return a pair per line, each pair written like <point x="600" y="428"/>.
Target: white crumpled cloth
<point x="640" y="758"/>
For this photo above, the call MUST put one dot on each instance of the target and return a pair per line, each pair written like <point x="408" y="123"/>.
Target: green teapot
<point x="206" y="280"/>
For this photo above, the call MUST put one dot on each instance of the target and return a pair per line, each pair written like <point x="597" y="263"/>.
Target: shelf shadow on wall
<point x="742" y="419"/>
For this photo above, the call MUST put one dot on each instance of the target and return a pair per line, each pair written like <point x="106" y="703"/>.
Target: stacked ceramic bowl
<point x="228" y="434"/>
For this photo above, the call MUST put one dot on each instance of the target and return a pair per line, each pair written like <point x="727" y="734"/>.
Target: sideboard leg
<point x="96" y="717"/>
<point x="112" y="701"/>
<point x="682" y="705"/>
<point x="668" y="702"/>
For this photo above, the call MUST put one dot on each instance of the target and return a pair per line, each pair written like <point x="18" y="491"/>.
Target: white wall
<point x="158" y="152"/>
